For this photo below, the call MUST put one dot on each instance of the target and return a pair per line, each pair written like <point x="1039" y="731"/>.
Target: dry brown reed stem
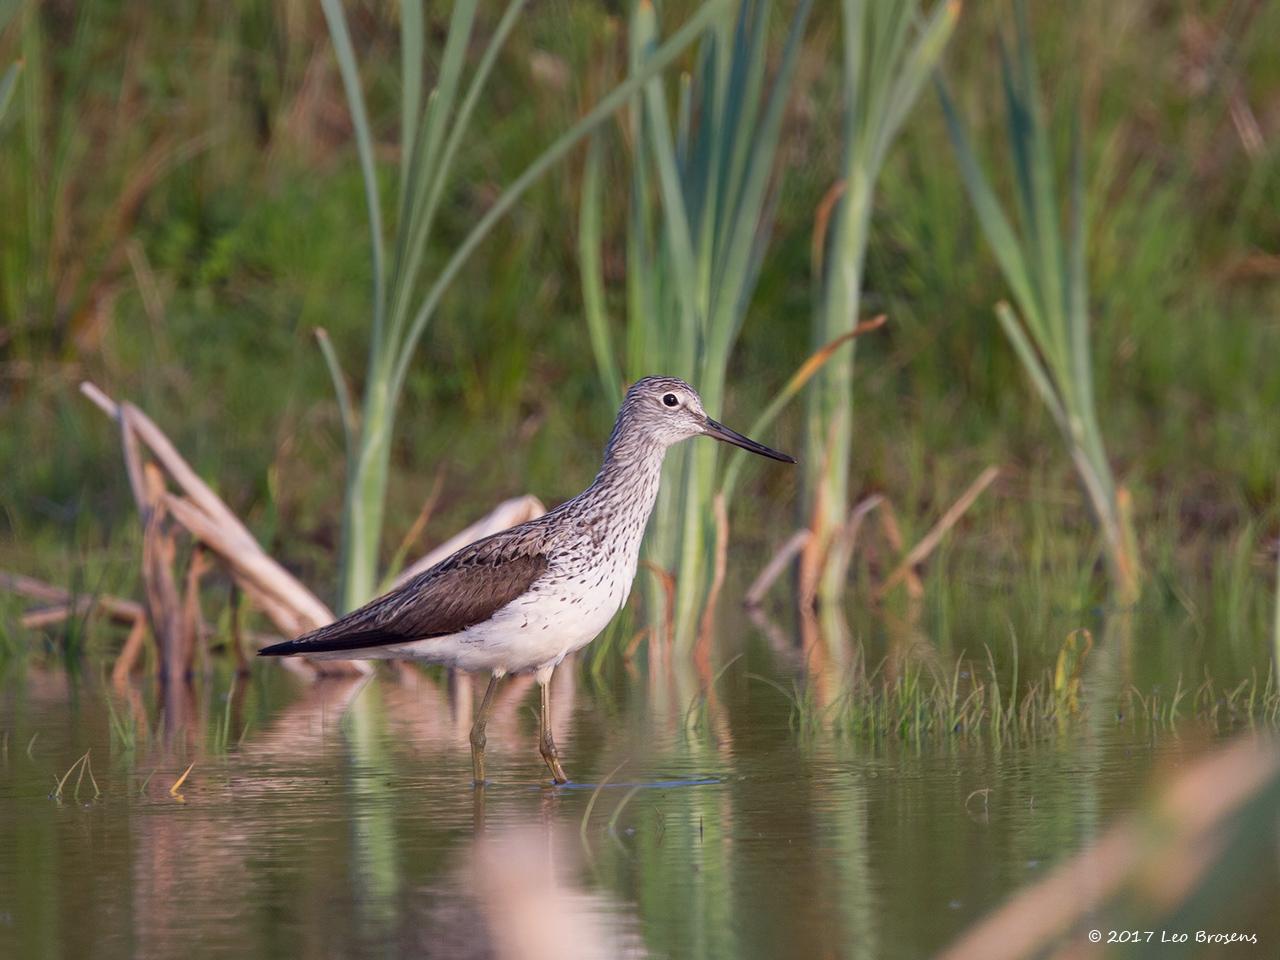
<point x="775" y="567"/>
<point x="178" y="468"/>
<point x="846" y="539"/>
<point x="893" y="534"/>
<point x="289" y="604"/>
<point x="421" y="520"/>
<point x="129" y="653"/>
<point x="822" y="224"/>
<point x="159" y="551"/>
<point x="191" y="620"/>
<point x="668" y="582"/>
<point x="1158" y="854"/>
<point x="504" y="515"/>
<point x="629" y="651"/>
<point x="708" y="625"/>
<point x="929" y="542"/>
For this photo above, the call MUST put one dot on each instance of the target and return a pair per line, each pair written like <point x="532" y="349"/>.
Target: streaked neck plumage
<point x="628" y="479"/>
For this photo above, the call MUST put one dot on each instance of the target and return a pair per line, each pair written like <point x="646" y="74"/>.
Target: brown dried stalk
<point x="929" y="542"/>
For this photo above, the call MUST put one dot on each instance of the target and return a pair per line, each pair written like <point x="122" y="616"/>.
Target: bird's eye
<point x="671" y="400"/>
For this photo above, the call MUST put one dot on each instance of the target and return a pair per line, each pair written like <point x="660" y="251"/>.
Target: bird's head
<point x="668" y="410"/>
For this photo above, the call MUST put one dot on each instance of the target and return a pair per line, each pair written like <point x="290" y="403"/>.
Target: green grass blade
<point x="916" y="68"/>
<point x="1031" y="362"/>
<point x="854" y="25"/>
<point x="589" y="239"/>
<point x="662" y="148"/>
<point x="742" y="104"/>
<point x="411" y="237"/>
<point x="1045" y="192"/>
<point x="412" y="27"/>
<point x="436" y="179"/>
<point x="347" y="66"/>
<point x="668" y="52"/>
<point x="346" y="408"/>
<point x="1001" y="237"/>
<point x="1018" y="137"/>
<point x="8" y="84"/>
<point x="1077" y="279"/>
<point x="732" y="275"/>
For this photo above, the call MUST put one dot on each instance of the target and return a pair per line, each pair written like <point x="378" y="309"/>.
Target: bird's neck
<point x="629" y="476"/>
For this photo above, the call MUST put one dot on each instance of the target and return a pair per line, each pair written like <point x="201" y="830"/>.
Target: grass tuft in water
<point x="912" y="704"/>
<point x="83" y="765"/>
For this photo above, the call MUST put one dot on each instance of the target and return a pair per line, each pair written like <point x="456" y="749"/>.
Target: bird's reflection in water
<point x="511" y="898"/>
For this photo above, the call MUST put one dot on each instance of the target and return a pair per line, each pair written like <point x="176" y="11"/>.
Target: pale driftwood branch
<point x="773" y="569"/>
<point x="159" y="550"/>
<point x="289" y="605"/>
<point x="264" y="575"/>
<point x="1167" y="843"/>
<point x="893" y="534"/>
<point x="504" y="515"/>
<point x="118" y="609"/>
<point x="929" y="542"/>
<point x="178" y="468"/>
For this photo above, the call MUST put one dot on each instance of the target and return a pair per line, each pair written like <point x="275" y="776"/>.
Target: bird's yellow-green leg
<point x="477" y="730"/>
<point x="546" y="742"/>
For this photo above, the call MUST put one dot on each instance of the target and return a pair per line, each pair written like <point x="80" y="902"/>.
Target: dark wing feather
<point x="464" y="589"/>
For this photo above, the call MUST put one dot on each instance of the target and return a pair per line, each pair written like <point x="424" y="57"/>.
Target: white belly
<point x="540" y="628"/>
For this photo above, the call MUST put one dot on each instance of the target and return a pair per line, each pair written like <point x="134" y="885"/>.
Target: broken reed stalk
<point x="846" y="539"/>
<point x="199" y="511"/>
<point x="839" y="551"/>
<point x="775" y="567"/>
<point x="129" y="653"/>
<point x="929" y="542"/>
<point x="289" y="604"/>
<point x="893" y="534"/>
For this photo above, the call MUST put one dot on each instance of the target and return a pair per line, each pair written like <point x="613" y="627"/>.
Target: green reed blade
<point x="347" y="67"/>
<point x="8" y="84"/>
<point x="590" y="263"/>
<point x="412" y="29"/>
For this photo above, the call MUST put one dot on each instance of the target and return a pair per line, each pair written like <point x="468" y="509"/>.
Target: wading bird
<point x="527" y="597"/>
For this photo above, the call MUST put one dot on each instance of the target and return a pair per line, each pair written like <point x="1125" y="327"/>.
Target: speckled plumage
<point x="526" y="597"/>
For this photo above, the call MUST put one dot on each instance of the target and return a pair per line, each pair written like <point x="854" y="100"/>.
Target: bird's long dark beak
<point x="720" y="432"/>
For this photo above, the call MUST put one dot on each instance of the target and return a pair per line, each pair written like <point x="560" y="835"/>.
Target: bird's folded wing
<point x="462" y="590"/>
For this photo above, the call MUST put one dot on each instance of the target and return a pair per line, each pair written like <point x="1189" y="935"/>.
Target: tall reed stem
<point x="701" y="211"/>
<point x="432" y="127"/>
<point x="889" y="52"/>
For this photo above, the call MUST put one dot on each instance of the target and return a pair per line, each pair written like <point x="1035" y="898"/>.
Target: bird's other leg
<point x="546" y="742"/>
<point x="477" y="730"/>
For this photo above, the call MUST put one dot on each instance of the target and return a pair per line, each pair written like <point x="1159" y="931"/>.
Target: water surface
<point x="338" y="820"/>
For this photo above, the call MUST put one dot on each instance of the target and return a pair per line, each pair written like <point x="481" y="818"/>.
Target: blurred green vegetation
<point x="180" y="207"/>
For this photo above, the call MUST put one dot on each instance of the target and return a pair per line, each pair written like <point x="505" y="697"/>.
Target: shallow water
<point x="338" y="820"/>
